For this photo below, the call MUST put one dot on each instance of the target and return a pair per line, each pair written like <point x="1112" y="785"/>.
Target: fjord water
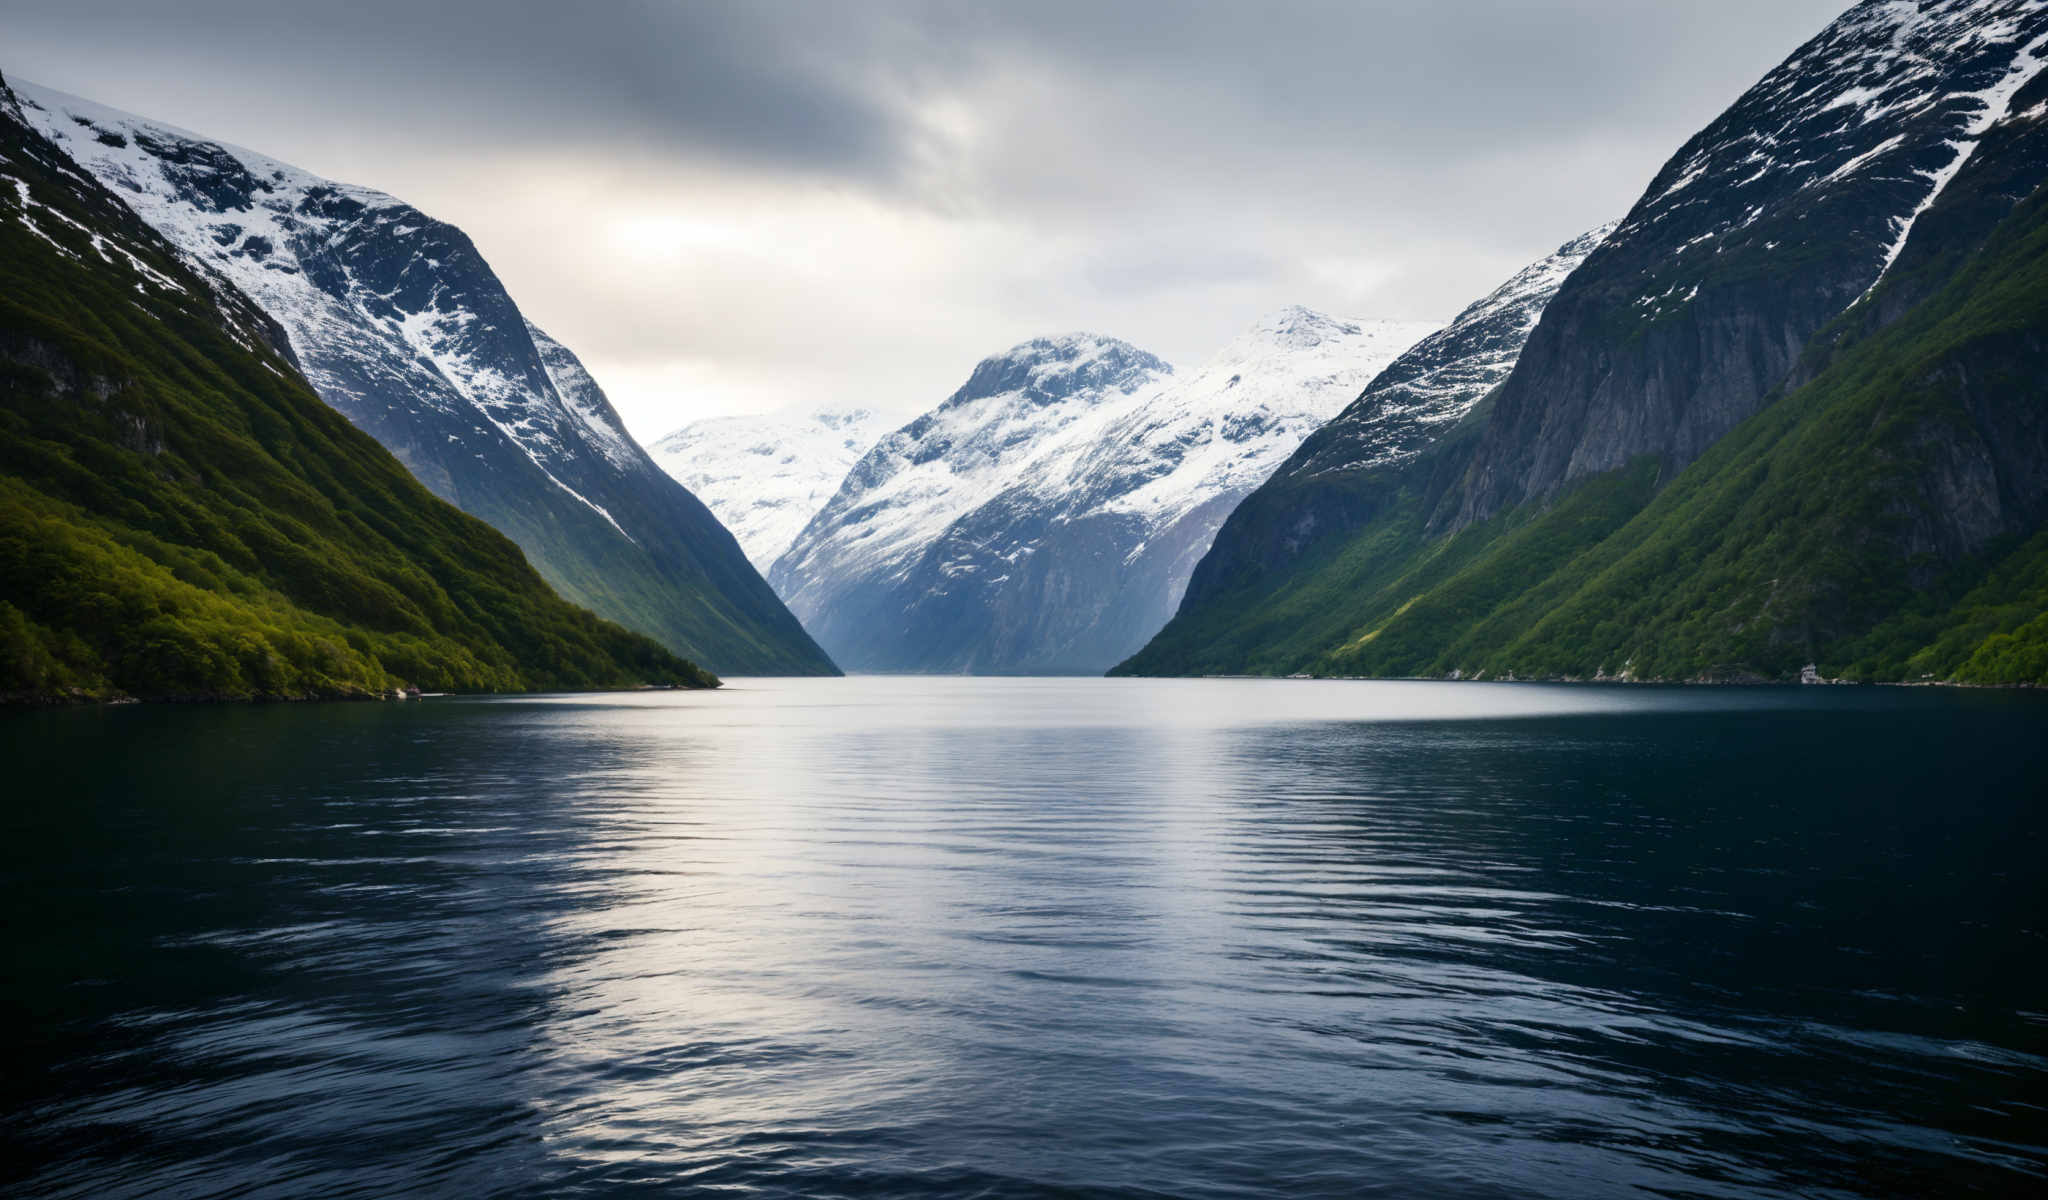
<point x="1022" y="937"/>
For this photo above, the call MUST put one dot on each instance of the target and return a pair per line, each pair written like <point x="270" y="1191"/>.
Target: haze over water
<point x="908" y="936"/>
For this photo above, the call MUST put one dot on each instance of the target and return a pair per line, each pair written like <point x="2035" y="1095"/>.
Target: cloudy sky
<point x="755" y="205"/>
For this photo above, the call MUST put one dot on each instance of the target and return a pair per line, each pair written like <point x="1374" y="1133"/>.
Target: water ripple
<point x="1034" y="937"/>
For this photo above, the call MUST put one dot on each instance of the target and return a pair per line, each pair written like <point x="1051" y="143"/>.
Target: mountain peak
<point x="1046" y="517"/>
<point x="1045" y="369"/>
<point x="1299" y="327"/>
<point x="1078" y="348"/>
<point x="1295" y="330"/>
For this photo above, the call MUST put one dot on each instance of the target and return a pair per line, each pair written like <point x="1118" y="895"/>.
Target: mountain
<point x="182" y="516"/>
<point x="1311" y="498"/>
<point x="765" y="476"/>
<point x="1786" y="414"/>
<point x="400" y="324"/>
<point x="1437" y="381"/>
<point x="1762" y="228"/>
<point x="1045" y="518"/>
<point x="867" y="554"/>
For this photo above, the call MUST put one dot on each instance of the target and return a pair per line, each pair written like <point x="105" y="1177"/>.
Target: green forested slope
<point x="180" y="515"/>
<point x="1886" y="518"/>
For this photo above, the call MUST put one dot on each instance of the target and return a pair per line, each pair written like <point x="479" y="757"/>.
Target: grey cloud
<point x="959" y="175"/>
<point x="830" y="86"/>
<point x="732" y="83"/>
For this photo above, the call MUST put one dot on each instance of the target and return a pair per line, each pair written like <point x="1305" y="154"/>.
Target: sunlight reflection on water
<point x="943" y="936"/>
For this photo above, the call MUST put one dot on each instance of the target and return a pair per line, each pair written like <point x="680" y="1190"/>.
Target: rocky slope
<point x="1046" y="517"/>
<point x="1787" y="413"/>
<point x="1421" y="395"/>
<point x="401" y="325"/>
<point x="1758" y="232"/>
<point x="765" y="476"/>
<point x="181" y="516"/>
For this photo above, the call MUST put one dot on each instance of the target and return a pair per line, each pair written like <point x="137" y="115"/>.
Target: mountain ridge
<point x="1055" y="527"/>
<point x="1557" y="532"/>
<point x="1763" y="227"/>
<point x="185" y="518"/>
<point x="1418" y="399"/>
<point x="397" y="321"/>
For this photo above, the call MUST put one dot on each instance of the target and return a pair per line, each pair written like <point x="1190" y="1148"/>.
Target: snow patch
<point x="1995" y="103"/>
<point x="260" y="223"/>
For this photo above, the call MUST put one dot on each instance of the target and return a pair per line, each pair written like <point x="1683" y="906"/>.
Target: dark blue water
<point x="992" y="938"/>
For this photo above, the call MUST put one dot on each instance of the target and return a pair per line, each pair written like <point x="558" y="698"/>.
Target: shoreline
<point x="20" y="701"/>
<point x="1616" y="681"/>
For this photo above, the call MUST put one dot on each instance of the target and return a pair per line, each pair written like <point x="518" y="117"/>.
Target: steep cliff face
<point x="1756" y="234"/>
<point x="400" y="324"/>
<point x="181" y="516"/>
<point x="1787" y="412"/>
<point x="1883" y="516"/>
<point x="1887" y="519"/>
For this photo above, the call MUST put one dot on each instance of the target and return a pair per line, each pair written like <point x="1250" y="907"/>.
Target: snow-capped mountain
<point x="765" y="476"/>
<point x="186" y="519"/>
<point x="1046" y="517"/>
<point x="399" y="323"/>
<point x="1433" y="385"/>
<point x="245" y="323"/>
<point x="1827" y="203"/>
<point x="1221" y="430"/>
<point x="1762" y="229"/>
<point x="853" y="570"/>
<point x="1407" y="407"/>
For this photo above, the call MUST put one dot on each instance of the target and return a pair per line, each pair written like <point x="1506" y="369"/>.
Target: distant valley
<point x="1780" y="421"/>
<point x="1044" y="519"/>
